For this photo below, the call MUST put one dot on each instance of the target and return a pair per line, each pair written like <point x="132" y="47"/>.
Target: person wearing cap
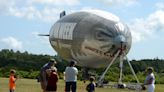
<point x="71" y="77"/>
<point x="91" y="86"/>
<point x="43" y="78"/>
<point x="12" y="80"/>
<point x="150" y="80"/>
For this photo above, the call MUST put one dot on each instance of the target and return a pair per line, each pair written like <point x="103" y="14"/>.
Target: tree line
<point x="28" y="66"/>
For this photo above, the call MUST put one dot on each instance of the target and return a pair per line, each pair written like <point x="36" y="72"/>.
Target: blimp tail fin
<point x="63" y="13"/>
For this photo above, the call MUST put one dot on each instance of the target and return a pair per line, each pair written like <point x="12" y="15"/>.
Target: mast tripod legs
<point x="100" y="81"/>
<point x="120" y="83"/>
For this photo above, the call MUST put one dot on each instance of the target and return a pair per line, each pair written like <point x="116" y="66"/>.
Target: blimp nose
<point x="119" y="39"/>
<point x="120" y="42"/>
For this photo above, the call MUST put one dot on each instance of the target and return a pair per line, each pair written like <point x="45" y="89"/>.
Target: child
<point x="91" y="86"/>
<point x="52" y="80"/>
<point x="12" y="81"/>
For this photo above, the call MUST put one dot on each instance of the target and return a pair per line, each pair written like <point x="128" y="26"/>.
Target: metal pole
<point x="121" y="69"/>
<point x="133" y="72"/>
<point x="100" y="81"/>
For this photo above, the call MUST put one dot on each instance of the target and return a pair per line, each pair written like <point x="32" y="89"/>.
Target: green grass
<point x="30" y="85"/>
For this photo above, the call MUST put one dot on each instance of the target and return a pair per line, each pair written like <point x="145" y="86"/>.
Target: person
<point x="71" y="77"/>
<point x="91" y="86"/>
<point x="43" y="78"/>
<point x="12" y="80"/>
<point x="150" y="80"/>
<point x="52" y="80"/>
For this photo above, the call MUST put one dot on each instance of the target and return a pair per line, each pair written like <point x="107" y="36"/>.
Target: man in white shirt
<point x="150" y="80"/>
<point x="71" y="77"/>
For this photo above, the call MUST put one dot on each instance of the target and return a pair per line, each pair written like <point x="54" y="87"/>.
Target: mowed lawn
<point x="31" y="85"/>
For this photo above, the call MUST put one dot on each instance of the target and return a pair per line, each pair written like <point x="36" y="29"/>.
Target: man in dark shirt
<point x="43" y="78"/>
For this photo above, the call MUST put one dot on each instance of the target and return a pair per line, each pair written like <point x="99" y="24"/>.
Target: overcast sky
<point x="22" y="20"/>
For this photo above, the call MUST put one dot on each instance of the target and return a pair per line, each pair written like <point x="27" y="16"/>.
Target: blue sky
<point x="22" y="20"/>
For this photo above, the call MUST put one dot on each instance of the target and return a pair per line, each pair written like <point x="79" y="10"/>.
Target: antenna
<point x="43" y="35"/>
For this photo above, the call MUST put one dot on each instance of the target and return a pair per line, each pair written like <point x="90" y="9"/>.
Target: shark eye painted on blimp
<point x="103" y="34"/>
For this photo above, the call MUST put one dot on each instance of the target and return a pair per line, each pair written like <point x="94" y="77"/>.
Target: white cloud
<point x="47" y="14"/>
<point x="50" y="14"/>
<point x="156" y="21"/>
<point x="159" y="5"/>
<point x="118" y="2"/>
<point x="55" y="2"/>
<point x="137" y="36"/>
<point x="144" y="28"/>
<point x="5" y="6"/>
<point x="45" y="10"/>
<point x="11" y="43"/>
<point x="28" y="12"/>
<point x="104" y="14"/>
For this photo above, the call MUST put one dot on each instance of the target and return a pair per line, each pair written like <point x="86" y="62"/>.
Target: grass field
<point x="29" y="85"/>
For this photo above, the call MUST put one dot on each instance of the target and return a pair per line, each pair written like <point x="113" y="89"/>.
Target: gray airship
<point x="91" y="37"/>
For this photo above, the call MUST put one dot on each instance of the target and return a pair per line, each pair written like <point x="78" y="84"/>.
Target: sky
<point x="22" y="20"/>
